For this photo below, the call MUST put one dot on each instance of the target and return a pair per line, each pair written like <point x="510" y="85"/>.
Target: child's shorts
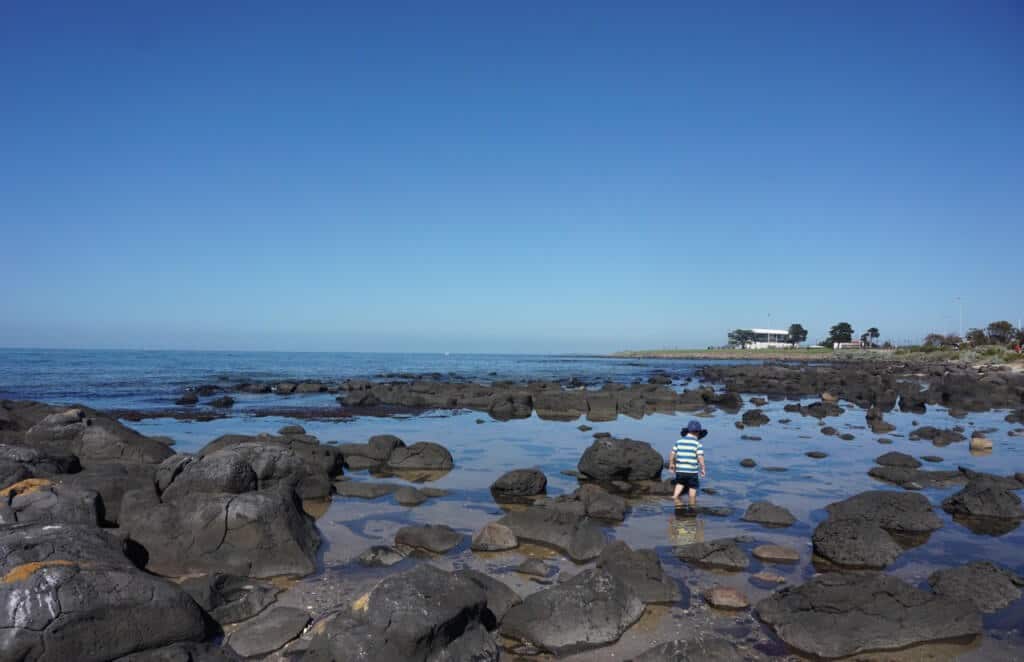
<point x="689" y="481"/>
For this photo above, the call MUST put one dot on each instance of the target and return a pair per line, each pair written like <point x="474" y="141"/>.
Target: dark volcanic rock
<point x="747" y="462"/>
<point x="897" y="459"/>
<point x="592" y="609"/>
<point x="855" y="544"/>
<point x="268" y="631"/>
<point x="621" y="459"/>
<point x="69" y="593"/>
<point x="230" y="598"/>
<point x="767" y="513"/>
<point x="90" y="435"/>
<point x="494" y="537"/>
<point x="518" y="484"/>
<point x="704" y="647"/>
<point x="889" y="614"/>
<point x="20" y="462"/>
<point x="112" y="481"/>
<point x="984" y="500"/>
<point x="184" y="652"/>
<point x="298" y="462"/>
<point x="223" y="402"/>
<point x="817" y="455"/>
<point x="723" y="553"/>
<point x="917" y="478"/>
<point x="381" y="556"/>
<point x="421" y="455"/>
<point x="256" y="534"/>
<point x="418" y="615"/>
<point x="754" y="418"/>
<point x="898" y="512"/>
<point x="40" y="500"/>
<point x="641" y="570"/>
<point x="580" y="537"/>
<point x="223" y="471"/>
<point x="984" y="584"/>
<point x="436" y="538"/>
<point x="409" y="496"/>
<point x="500" y="597"/>
<point x="365" y="489"/>
<point x="936" y="436"/>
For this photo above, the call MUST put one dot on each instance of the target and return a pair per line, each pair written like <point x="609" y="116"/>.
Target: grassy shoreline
<point x="983" y="355"/>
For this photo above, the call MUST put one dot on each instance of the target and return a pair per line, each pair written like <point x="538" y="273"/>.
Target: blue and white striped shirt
<point x="687" y="450"/>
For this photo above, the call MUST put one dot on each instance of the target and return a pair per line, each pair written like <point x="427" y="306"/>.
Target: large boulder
<point x="500" y="597"/>
<point x="559" y="405"/>
<point x="69" y="593"/>
<point x="986" y="500"/>
<point x="299" y="462"/>
<point x="40" y="500"/>
<point x="578" y="536"/>
<point x="592" y="609"/>
<point x="984" y="584"/>
<point x="641" y="570"/>
<point x="91" y="436"/>
<point x="839" y="614"/>
<point x="898" y="512"/>
<point x="255" y="534"/>
<point x="268" y="631"/>
<point x="610" y="459"/>
<point x="111" y="480"/>
<point x="769" y="514"/>
<point x="20" y="462"/>
<point x="421" y="455"/>
<point x="230" y="598"/>
<point x="519" y="485"/>
<point x="494" y="537"/>
<point x="225" y="471"/>
<point x="422" y="614"/>
<point x="937" y="436"/>
<point x="855" y="543"/>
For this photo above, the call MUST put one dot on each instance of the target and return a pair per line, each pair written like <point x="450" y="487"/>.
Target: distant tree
<point x="874" y="333"/>
<point x="741" y="338"/>
<point x="934" y="340"/>
<point x="976" y="337"/>
<point x="797" y="334"/>
<point x="841" y="332"/>
<point x="952" y="340"/>
<point x="1000" y="333"/>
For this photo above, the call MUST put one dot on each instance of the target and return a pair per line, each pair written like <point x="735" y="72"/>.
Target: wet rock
<point x="621" y="459"/>
<point x="722" y="553"/>
<point x="641" y="570"/>
<point x="592" y="609"/>
<point x="580" y="537"/>
<point x="846" y="436"/>
<point x="297" y="462"/>
<point x="776" y="554"/>
<point x="884" y="440"/>
<point x="936" y="436"/>
<point x="916" y="479"/>
<point x="500" y="597"/>
<point x="593" y="501"/>
<point x="747" y="462"/>
<point x="817" y="455"/>
<point x="768" y="514"/>
<point x="494" y="537"/>
<point x="224" y="471"/>
<point x="723" y="597"/>
<point x="285" y="388"/>
<point x="365" y="489"/>
<point x="519" y="485"/>
<point x="984" y="500"/>
<point x="289" y="430"/>
<point x="409" y="496"/>
<point x="584" y="428"/>
<point x="184" y="652"/>
<point x="931" y="458"/>
<point x="829" y="431"/>
<point x="268" y="631"/>
<point x="750" y="437"/>
<point x="877" y="423"/>
<point x="310" y="387"/>
<point x="898" y="512"/>
<point x="223" y="402"/>
<point x="436" y="538"/>
<point x="984" y="584"/>
<point x="256" y="534"/>
<point x="381" y="556"/>
<point x="230" y="598"/>
<point x="559" y="405"/>
<point x="69" y="593"/>
<point x="703" y="647"/>
<point x="422" y="614"/>
<point x="890" y="614"/>
<point x="897" y="459"/>
<point x="89" y="435"/>
<point x="421" y="455"/>
<point x="768" y="578"/>
<point x="534" y="567"/>
<point x="754" y="418"/>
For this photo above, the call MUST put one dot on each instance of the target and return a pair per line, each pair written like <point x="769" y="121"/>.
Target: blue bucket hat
<point x="694" y="427"/>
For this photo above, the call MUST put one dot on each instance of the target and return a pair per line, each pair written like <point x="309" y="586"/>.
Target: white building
<point x="769" y="339"/>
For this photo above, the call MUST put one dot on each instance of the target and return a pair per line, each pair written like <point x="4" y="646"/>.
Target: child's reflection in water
<point x="685" y="527"/>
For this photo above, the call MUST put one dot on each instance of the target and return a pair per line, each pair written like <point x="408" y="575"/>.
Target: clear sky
<point x="483" y="176"/>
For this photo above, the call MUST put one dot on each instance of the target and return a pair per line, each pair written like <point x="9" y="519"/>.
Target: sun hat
<point x="694" y="427"/>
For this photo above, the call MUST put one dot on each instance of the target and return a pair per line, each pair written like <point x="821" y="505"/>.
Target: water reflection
<point x="685" y="527"/>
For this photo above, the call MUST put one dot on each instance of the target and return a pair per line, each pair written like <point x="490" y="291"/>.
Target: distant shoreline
<point x="800" y="354"/>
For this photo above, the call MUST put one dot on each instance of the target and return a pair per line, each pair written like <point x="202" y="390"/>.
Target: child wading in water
<point x="686" y="458"/>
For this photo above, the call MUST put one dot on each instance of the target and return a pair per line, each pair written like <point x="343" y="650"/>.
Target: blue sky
<point x="505" y="176"/>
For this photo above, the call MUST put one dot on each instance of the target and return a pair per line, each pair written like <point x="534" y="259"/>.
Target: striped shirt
<point x="687" y="450"/>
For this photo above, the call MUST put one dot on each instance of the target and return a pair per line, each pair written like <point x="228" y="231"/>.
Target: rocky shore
<point x="115" y="547"/>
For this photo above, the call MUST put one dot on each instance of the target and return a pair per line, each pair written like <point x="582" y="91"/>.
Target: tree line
<point x="1001" y="333"/>
<point x="839" y="333"/>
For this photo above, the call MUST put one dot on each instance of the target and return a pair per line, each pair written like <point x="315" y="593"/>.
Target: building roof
<point x="776" y="332"/>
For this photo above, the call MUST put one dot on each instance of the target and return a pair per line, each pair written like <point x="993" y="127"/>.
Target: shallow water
<point x="484" y="451"/>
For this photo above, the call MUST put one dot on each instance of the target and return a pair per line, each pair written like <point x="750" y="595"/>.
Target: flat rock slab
<point x="365" y="489"/>
<point x="230" y="598"/>
<point x="705" y="647"/>
<point x="816" y="455"/>
<point x="592" y="609"/>
<point x="855" y="544"/>
<point x="436" y="538"/>
<point x="985" y="500"/>
<point x="776" y="554"/>
<point x="984" y="584"/>
<point x="899" y="512"/>
<point x="268" y="631"/>
<point x="580" y="537"/>
<point x="409" y="496"/>
<point x="897" y="459"/>
<point x="768" y="514"/>
<point x="840" y="614"/>
<point x="519" y="484"/>
<point x="724" y="597"/>
<point x="534" y="567"/>
<point x="380" y="556"/>
<point x="641" y="570"/>
<point x="723" y="553"/>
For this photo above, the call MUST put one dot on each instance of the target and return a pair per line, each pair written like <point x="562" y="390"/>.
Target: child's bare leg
<point x="677" y="492"/>
<point x="693" y="497"/>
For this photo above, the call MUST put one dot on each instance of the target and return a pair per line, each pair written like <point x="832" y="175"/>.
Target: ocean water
<point x="126" y="379"/>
